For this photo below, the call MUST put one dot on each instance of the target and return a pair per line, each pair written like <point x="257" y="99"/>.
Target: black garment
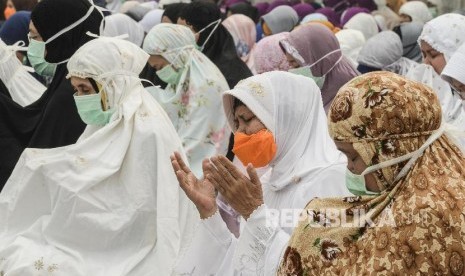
<point x="149" y="73"/>
<point x="246" y="9"/>
<point x="220" y="48"/>
<point x="51" y="16"/>
<point x="52" y="121"/>
<point x="363" y="69"/>
<point x="172" y="11"/>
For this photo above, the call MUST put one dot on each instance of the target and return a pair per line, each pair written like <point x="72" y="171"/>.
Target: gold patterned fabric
<point x="417" y="225"/>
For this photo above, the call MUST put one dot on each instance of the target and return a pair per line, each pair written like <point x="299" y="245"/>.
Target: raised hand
<point x="200" y="192"/>
<point x="242" y="194"/>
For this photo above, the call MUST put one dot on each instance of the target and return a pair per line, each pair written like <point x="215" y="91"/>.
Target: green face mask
<point x="433" y="11"/>
<point x="169" y="75"/>
<point x="356" y="184"/>
<point x="90" y="109"/>
<point x="307" y="72"/>
<point x="35" y="54"/>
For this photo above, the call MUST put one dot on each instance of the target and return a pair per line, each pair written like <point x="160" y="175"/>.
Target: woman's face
<point x="405" y="18"/>
<point x="246" y="121"/>
<point x="183" y="22"/>
<point x="158" y="62"/>
<point x="9" y="4"/>
<point x="266" y="30"/>
<point x="432" y="57"/>
<point x="166" y="19"/>
<point x="33" y="33"/>
<point x="459" y="87"/>
<point x="356" y="165"/>
<point x="82" y="86"/>
<point x="292" y="62"/>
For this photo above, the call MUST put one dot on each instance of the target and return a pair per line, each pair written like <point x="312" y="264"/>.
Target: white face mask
<point x="413" y="156"/>
<point x="307" y="72"/>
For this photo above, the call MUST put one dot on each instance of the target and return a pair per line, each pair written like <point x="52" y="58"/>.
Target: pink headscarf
<point x="244" y="33"/>
<point x="312" y="42"/>
<point x="268" y="55"/>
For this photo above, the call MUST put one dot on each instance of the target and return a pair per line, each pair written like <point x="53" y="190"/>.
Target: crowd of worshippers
<point x="232" y="137"/>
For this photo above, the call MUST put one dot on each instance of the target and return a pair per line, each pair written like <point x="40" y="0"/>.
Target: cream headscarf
<point x="194" y="103"/>
<point x="121" y="24"/>
<point x="109" y="204"/>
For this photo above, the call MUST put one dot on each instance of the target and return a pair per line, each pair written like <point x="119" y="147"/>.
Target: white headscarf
<point x="455" y="68"/>
<point x="351" y="42"/>
<point x="451" y="103"/>
<point x="127" y="5"/>
<point x="113" y="5"/>
<point x="163" y="3"/>
<point x="314" y="17"/>
<point x="120" y="24"/>
<point x="384" y="52"/>
<point x="363" y="22"/>
<point x="298" y="123"/>
<point x="151" y="19"/>
<point x="24" y="89"/>
<point x="445" y="33"/>
<point x="150" y="4"/>
<point x="417" y="10"/>
<point x="194" y="104"/>
<point x="109" y="204"/>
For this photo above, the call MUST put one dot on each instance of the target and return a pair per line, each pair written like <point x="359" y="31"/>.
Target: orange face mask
<point x="257" y="149"/>
<point x="9" y="12"/>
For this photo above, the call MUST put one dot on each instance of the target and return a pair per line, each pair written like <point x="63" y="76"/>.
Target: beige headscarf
<point x="419" y="222"/>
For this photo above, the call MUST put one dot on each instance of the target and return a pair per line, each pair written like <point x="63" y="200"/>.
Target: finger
<point x="175" y="165"/>
<point x="205" y="168"/>
<point x="229" y="179"/>
<point x="182" y="179"/>
<point x="214" y="175"/>
<point x="182" y="165"/>
<point x="211" y="180"/>
<point x="252" y="172"/>
<point x="230" y="167"/>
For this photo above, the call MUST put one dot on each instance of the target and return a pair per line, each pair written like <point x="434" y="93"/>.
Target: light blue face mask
<point x="306" y="71"/>
<point x="36" y="56"/>
<point x="90" y="110"/>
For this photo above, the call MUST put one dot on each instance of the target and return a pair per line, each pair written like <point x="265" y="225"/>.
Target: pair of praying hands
<point x="243" y="194"/>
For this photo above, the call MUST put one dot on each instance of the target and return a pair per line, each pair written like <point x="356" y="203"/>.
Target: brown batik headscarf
<point x="418" y="222"/>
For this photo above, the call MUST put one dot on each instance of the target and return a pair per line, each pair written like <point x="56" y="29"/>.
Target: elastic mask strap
<point x="413" y="156"/>
<point x="217" y="22"/>
<point x="18" y="46"/>
<point x="123" y="36"/>
<point x="77" y="23"/>
<point x="335" y="64"/>
<point x="72" y="26"/>
<point x="178" y="50"/>
<point x="325" y="56"/>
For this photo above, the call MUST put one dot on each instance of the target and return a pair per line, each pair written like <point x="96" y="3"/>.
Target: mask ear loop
<point x="77" y="23"/>
<point x="217" y="22"/>
<point x="412" y="157"/>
